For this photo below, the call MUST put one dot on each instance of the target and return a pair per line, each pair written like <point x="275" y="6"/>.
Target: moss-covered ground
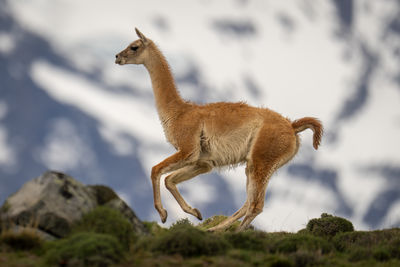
<point x="326" y="241"/>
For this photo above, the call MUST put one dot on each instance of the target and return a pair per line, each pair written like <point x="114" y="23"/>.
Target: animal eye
<point x="134" y="48"/>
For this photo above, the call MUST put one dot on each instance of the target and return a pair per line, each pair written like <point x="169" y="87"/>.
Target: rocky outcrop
<point x="53" y="201"/>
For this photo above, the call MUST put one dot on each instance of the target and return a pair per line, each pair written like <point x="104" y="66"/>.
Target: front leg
<point x="155" y="180"/>
<point x="182" y="175"/>
<point x="172" y="163"/>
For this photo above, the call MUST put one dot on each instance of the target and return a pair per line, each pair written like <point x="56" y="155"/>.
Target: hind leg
<point x="258" y="181"/>
<point x="271" y="150"/>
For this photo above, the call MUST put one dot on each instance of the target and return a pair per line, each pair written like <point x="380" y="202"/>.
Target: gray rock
<point x="53" y="201"/>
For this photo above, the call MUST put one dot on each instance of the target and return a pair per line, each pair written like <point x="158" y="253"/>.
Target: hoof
<point x="198" y="214"/>
<point x="163" y="215"/>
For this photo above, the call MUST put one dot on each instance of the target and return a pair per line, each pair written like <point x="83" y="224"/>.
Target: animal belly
<point x="226" y="150"/>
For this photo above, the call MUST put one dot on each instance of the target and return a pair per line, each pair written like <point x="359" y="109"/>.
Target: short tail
<point x="312" y="123"/>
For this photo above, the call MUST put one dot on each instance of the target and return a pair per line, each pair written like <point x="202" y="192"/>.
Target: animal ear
<point x="141" y="36"/>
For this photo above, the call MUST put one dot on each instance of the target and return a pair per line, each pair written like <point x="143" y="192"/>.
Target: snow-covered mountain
<point x="65" y="105"/>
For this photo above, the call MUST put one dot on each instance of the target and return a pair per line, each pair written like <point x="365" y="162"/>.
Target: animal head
<point x="136" y="52"/>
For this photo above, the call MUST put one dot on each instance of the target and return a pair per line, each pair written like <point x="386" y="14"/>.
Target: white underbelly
<point x="227" y="150"/>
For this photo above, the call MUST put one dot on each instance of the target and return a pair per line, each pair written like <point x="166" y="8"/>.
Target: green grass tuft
<point x="182" y="223"/>
<point x="248" y="240"/>
<point x="27" y="239"/>
<point x="215" y="220"/>
<point x="186" y="240"/>
<point x="381" y="254"/>
<point x="84" y="249"/>
<point x="154" y="228"/>
<point x="278" y="261"/>
<point x="301" y="242"/>
<point x="104" y="220"/>
<point x="381" y="245"/>
<point x="394" y="246"/>
<point x="306" y="258"/>
<point x="359" y="254"/>
<point x="346" y="242"/>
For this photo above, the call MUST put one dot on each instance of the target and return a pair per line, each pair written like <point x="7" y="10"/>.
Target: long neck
<point x="168" y="100"/>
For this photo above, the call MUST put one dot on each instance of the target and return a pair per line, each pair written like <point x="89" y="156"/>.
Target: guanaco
<point x="215" y="135"/>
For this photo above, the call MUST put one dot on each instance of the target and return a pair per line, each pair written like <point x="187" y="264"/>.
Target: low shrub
<point x="248" y="240"/>
<point x="182" y="223"/>
<point x="369" y="240"/>
<point x="240" y="254"/>
<point x="84" y="249"/>
<point x="295" y="242"/>
<point x="104" y="220"/>
<point x="277" y="261"/>
<point x="328" y="226"/>
<point x="381" y="254"/>
<point x="359" y="254"/>
<point x="188" y="241"/>
<point x="380" y="245"/>
<point x="26" y="239"/>
<point x="154" y="228"/>
<point x="394" y="247"/>
<point x="306" y="258"/>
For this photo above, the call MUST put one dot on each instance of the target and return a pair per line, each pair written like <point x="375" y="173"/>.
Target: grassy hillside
<point x="104" y="238"/>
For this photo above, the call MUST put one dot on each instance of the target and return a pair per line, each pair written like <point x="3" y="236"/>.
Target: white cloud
<point x="198" y="192"/>
<point x="64" y="149"/>
<point x="392" y="219"/>
<point x="7" y="153"/>
<point x="121" y="144"/>
<point x="7" y="43"/>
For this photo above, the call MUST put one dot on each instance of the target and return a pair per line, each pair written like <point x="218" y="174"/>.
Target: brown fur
<point x="215" y="135"/>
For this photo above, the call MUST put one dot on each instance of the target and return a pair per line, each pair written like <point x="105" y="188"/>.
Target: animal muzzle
<point x="118" y="59"/>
